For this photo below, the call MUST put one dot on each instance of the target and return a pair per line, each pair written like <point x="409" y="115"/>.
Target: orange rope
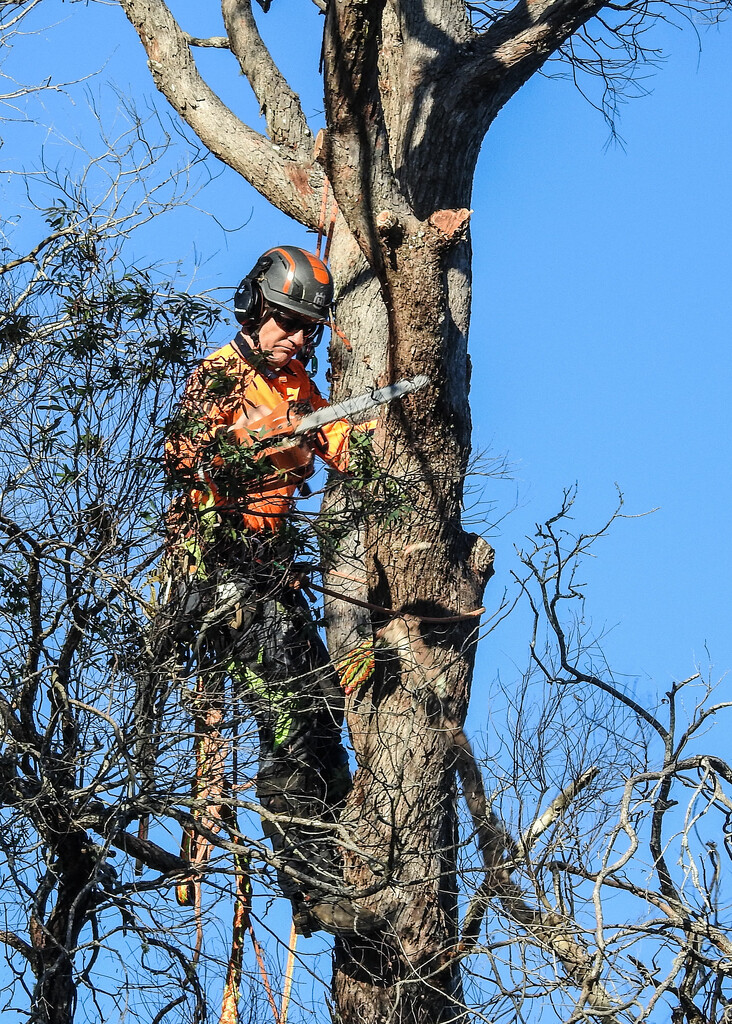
<point x="341" y="335"/>
<point x="198" y="917"/>
<point x="242" y="907"/>
<point x="242" y="923"/>
<point x="263" y="972"/>
<point x="328" y="240"/>
<point x="207" y="788"/>
<point x="288" y="975"/>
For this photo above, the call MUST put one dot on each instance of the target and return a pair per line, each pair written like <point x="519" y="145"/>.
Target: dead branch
<point x="286" y="123"/>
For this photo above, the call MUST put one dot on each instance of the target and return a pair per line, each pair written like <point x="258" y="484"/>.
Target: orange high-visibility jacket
<point x="224" y="387"/>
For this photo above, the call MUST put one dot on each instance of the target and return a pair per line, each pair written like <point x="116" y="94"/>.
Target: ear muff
<point x="248" y="303"/>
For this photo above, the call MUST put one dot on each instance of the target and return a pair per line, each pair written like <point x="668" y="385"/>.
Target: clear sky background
<point x="602" y="302"/>
<point x="601" y="341"/>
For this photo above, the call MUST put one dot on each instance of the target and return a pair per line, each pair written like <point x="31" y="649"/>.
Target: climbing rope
<point x="323" y="212"/>
<point x="327" y="234"/>
<point x="289" y="970"/>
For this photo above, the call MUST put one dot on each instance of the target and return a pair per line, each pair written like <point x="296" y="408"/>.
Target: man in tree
<point x="237" y="604"/>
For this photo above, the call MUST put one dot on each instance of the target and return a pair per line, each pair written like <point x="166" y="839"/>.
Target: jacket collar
<point x="254" y="358"/>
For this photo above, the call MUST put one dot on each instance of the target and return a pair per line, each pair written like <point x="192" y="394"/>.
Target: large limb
<point x="292" y="185"/>
<point x="458" y="79"/>
<point x="286" y="123"/>
<point x="356" y="151"/>
<point x="483" y="73"/>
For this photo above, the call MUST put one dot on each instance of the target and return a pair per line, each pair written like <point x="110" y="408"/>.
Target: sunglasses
<point x="293" y="324"/>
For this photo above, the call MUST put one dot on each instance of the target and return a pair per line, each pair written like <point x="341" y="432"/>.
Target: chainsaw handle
<point x="275" y="423"/>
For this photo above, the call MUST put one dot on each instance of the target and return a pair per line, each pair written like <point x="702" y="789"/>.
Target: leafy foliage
<point x="95" y="354"/>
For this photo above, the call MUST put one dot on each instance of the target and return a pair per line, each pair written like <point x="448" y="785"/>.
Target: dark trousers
<point x="245" y="627"/>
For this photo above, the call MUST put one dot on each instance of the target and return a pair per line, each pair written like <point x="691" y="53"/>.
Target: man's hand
<point x="269" y="424"/>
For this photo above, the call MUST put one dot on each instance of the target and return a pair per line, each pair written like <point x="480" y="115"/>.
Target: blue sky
<point x="601" y="341"/>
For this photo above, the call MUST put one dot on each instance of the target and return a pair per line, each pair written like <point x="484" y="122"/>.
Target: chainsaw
<point x="289" y="422"/>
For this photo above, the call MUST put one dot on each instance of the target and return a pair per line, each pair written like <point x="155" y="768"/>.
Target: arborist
<point x="235" y="601"/>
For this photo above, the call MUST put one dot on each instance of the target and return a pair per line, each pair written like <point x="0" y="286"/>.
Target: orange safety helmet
<point x="289" y="279"/>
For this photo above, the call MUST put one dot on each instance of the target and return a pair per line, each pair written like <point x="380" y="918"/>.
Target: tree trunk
<point x="55" y="938"/>
<point x="423" y="568"/>
<point x="401" y="815"/>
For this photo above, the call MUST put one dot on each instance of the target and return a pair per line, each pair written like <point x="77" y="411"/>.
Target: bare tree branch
<point x="553" y="812"/>
<point x="293" y="185"/>
<point x="544" y="926"/>
<point x="20" y="946"/>
<point x="356" y="152"/>
<point x="286" y="123"/>
<point x="217" y="42"/>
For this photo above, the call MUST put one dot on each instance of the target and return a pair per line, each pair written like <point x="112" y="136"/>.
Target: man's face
<point x="281" y="337"/>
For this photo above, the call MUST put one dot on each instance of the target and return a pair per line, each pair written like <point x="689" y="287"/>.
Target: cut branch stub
<point x="451" y="225"/>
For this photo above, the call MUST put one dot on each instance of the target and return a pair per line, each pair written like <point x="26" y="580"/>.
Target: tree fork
<point x="54" y="995"/>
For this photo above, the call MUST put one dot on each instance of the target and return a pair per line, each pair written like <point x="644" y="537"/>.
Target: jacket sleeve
<point x="201" y="422"/>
